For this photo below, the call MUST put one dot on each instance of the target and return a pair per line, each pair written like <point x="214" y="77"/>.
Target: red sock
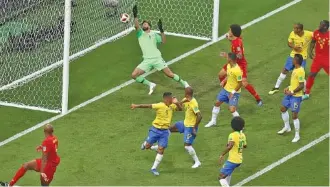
<point x="253" y="92"/>
<point x="309" y="84"/>
<point x="20" y="173"/>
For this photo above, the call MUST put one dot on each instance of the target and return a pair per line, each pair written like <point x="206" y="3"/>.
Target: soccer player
<point x="236" y="144"/>
<point x="231" y="92"/>
<point x="234" y="35"/>
<point x="299" y="40"/>
<point x="152" y="58"/>
<point x="293" y="97"/>
<point x="46" y="165"/>
<point x="321" y="59"/>
<point x="189" y="126"/>
<point x="159" y="132"/>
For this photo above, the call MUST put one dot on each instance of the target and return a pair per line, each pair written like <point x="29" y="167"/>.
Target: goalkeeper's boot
<point x="186" y="85"/>
<point x="211" y="123"/>
<point x="154" y="171"/>
<point x="273" y="91"/>
<point x="305" y="97"/>
<point x="152" y="88"/>
<point x="4" y="183"/>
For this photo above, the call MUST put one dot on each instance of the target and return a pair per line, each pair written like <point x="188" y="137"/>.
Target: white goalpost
<point x="39" y="38"/>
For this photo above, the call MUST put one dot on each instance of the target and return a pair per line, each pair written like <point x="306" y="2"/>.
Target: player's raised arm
<point x="134" y="106"/>
<point x="136" y="20"/>
<point x="177" y="103"/>
<point x="161" y="30"/>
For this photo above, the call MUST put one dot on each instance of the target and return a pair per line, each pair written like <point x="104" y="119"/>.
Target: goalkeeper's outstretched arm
<point x="136" y="20"/>
<point x="161" y="30"/>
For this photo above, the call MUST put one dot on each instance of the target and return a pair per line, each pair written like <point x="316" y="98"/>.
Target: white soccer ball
<point x="124" y="18"/>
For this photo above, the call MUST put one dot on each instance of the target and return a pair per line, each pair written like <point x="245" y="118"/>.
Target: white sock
<point x="224" y="183"/>
<point x="215" y="112"/>
<point x="192" y="153"/>
<point x="286" y="118"/>
<point x="158" y="159"/>
<point x="296" y="124"/>
<point x="280" y="79"/>
<point x="228" y="178"/>
<point x="235" y="114"/>
<point x="154" y="147"/>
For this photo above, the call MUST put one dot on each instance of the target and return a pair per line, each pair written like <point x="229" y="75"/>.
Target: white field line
<point x="18" y="135"/>
<point x="283" y="160"/>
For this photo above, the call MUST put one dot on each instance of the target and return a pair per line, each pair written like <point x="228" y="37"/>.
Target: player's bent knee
<point x="283" y="109"/>
<point x="217" y="103"/>
<point x="232" y="109"/>
<point x="160" y="150"/>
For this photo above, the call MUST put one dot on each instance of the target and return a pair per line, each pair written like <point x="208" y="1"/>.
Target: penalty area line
<point x="283" y="160"/>
<point x="257" y="20"/>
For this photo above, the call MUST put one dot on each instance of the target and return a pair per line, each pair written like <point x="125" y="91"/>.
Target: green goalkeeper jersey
<point x="148" y="43"/>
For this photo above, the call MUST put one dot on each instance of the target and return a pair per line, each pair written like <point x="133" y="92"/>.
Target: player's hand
<point x="175" y="100"/>
<point x="224" y="54"/>
<point x="133" y="106"/>
<point x="231" y="95"/>
<point x="222" y="84"/>
<point x="39" y="148"/>
<point x="135" y="11"/>
<point x="44" y="177"/>
<point x="160" y="26"/>
<point x="311" y="55"/>
<point x="221" y="159"/>
<point x="297" y="49"/>
<point x="194" y="132"/>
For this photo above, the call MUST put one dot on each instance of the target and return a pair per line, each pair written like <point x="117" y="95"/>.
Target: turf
<point x="99" y="144"/>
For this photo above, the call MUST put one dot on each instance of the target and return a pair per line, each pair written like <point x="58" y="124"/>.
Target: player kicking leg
<point x="152" y="57"/>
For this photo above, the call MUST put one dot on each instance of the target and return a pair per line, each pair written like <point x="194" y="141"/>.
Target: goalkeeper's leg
<point x="161" y="65"/>
<point x="138" y="71"/>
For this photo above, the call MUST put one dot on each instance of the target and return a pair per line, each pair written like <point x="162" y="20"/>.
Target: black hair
<point x="237" y="123"/>
<point x="167" y="94"/>
<point x="326" y="23"/>
<point x="236" y="30"/>
<point x="146" y="21"/>
<point x="299" y="57"/>
<point x="300" y="26"/>
<point x="232" y="56"/>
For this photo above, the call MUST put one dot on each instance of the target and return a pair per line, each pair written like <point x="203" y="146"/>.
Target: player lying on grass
<point x="236" y="144"/>
<point x="46" y="165"/>
<point x="321" y="59"/>
<point x="159" y="131"/>
<point x="299" y="40"/>
<point x="234" y="35"/>
<point x="152" y="58"/>
<point x="293" y="97"/>
<point x="231" y="92"/>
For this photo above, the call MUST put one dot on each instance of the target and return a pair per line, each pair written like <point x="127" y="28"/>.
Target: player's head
<point x="146" y="25"/>
<point x="324" y="26"/>
<point x="298" y="59"/>
<point x="231" y="58"/>
<point x="189" y="92"/>
<point x="48" y="129"/>
<point x="298" y="28"/>
<point x="237" y="123"/>
<point x="235" y="31"/>
<point x="167" y="98"/>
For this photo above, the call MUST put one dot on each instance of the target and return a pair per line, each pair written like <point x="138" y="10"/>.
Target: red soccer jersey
<point x="322" y="43"/>
<point x="49" y="145"/>
<point x="237" y="48"/>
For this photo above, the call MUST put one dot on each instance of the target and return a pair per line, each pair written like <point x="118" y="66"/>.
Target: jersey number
<point x="240" y="146"/>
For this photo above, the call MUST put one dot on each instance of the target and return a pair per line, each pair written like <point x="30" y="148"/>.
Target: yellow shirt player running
<point x="189" y="126"/>
<point x="299" y="40"/>
<point x="159" y="131"/>
<point x="236" y="144"/>
<point x="231" y="92"/>
<point x="293" y="97"/>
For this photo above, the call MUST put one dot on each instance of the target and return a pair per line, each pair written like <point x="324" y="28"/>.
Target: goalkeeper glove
<point x="135" y="11"/>
<point x="160" y="26"/>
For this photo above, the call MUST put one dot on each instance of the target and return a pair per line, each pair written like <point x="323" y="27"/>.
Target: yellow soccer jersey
<point x="298" y="76"/>
<point x="234" y="75"/>
<point x="236" y="153"/>
<point x="164" y="115"/>
<point x="302" y="42"/>
<point x="191" y="109"/>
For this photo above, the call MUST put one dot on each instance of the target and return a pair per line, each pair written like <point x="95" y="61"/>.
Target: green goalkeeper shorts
<point x="152" y="63"/>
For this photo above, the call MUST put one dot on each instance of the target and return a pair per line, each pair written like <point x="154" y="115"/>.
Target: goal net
<point x="32" y="37"/>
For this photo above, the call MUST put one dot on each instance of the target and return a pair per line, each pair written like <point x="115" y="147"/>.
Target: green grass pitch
<point x="99" y="144"/>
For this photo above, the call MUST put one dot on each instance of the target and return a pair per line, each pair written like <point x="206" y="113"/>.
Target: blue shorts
<point x="223" y="96"/>
<point x="158" y="135"/>
<point x="188" y="137"/>
<point x="289" y="64"/>
<point x="292" y="102"/>
<point x="228" y="168"/>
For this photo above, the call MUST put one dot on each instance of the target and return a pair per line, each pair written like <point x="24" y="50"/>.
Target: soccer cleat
<point x="273" y="91"/>
<point x="186" y="85"/>
<point x="296" y="138"/>
<point x="260" y="103"/>
<point x="210" y="124"/>
<point x="152" y="88"/>
<point x="154" y="171"/>
<point x="143" y="147"/>
<point x="305" y="97"/>
<point x="4" y="183"/>
<point x="196" y="165"/>
<point x="284" y="130"/>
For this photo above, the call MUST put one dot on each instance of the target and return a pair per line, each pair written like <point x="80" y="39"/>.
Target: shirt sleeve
<point x="291" y="36"/>
<point x="158" y="38"/>
<point x="301" y="76"/>
<point x="230" y="137"/>
<point x="157" y="106"/>
<point x="245" y="142"/>
<point x="314" y="35"/>
<point x="239" y="75"/>
<point x="195" y="108"/>
<point x="139" y="33"/>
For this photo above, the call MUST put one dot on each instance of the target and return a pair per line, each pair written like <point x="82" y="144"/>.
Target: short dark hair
<point x="237" y="123"/>
<point x="167" y="94"/>
<point x="326" y="23"/>
<point x="299" y="58"/>
<point x="146" y="21"/>
<point x="300" y="26"/>
<point x="232" y="56"/>
<point x="236" y="30"/>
